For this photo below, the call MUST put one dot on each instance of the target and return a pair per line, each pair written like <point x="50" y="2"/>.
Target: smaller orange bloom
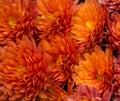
<point x="95" y="70"/>
<point x="55" y="16"/>
<point x="16" y="19"/>
<point x="62" y="53"/>
<point x="88" y="24"/>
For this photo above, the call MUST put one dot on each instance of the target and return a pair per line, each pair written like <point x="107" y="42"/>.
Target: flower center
<point x="12" y="22"/>
<point x="100" y="77"/>
<point x="90" y="25"/>
<point x="20" y="71"/>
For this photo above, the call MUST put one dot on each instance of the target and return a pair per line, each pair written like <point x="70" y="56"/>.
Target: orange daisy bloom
<point x="55" y="16"/>
<point x="16" y="18"/>
<point x="95" y="70"/>
<point x="88" y="24"/>
<point x="22" y="71"/>
<point x="62" y="54"/>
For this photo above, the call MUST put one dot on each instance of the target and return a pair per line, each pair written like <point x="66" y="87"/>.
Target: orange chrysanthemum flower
<point x="114" y="31"/>
<point x="54" y="94"/>
<point x="55" y="17"/>
<point x="22" y="71"/>
<point x="95" y="70"/>
<point x="89" y="24"/>
<point x="63" y="55"/>
<point x="16" y="18"/>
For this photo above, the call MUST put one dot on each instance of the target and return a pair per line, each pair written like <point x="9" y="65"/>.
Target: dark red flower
<point x="112" y="5"/>
<point x="116" y="78"/>
<point x="114" y="31"/>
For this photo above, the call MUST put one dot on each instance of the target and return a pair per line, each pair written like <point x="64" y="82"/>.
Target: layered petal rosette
<point x="95" y="70"/>
<point x="22" y="71"/>
<point x="16" y="18"/>
<point x="62" y="52"/>
<point x="89" y="24"/>
<point x="114" y="31"/>
<point x="55" y="17"/>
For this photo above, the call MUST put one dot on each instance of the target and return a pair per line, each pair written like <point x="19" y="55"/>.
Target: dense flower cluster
<point x="59" y="50"/>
